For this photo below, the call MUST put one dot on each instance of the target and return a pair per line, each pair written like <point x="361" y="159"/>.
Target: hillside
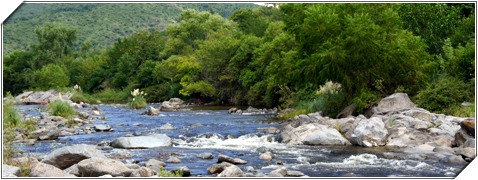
<point x="100" y="24"/>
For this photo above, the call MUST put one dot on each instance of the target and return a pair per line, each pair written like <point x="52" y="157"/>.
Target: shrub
<point x="458" y="110"/>
<point x="11" y="118"/>
<point x="138" y="101"/>
<point x="50" y="76"/>
<point x="166" y="173"/>
<point x="111" y="96"/>
<point x="60" y="108"/>
<point x="442" y="96"/>
<point x="329" y="99"/>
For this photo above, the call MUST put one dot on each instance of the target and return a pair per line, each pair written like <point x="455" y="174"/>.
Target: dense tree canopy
<point x="319" y="57"/>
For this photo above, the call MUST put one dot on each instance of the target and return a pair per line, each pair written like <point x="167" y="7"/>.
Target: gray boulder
<point x="142" y="172"/>
<point x="47" y="170"/>
<point x="368" y="132"/>
<point x="95" y="167"/>
<point x="155" y="165"/>
<point x="224" y="158"/>
<point x="10" y="171"/>
<point x="173" y="160"/>
<point x="152" y="111"/>
<point x="66" y="156"/>
<point x="206" y="156"/>
<point x="218" y="168"/>
<point x="137" y="142"/>
<point x="38" y="97"/>
<point x="231" y="171"/>
<point x="312" y="134"/>
<point x="102" y="127"/>
<point x="267" y="156"/>
<point x="394" y="102"/>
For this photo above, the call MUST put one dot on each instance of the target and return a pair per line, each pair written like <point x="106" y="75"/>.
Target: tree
<point x="50" y="76"/>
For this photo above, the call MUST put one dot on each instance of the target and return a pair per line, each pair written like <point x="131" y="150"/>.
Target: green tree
<point x="50" y="76"/>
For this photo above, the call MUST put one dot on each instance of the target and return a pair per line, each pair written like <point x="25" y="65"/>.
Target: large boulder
<point x="95" y="167"/>
<point x="231" y="171"/>
<point x="218" y="168"/>
<point x="10" y="171"/>
<point x="468" y="126"/>
<point x="66" y="156"/>
<point x="138" y="142"/>
<point x="142" y="172"/>
<point x="47" y="170"/>
<point x="394" y="102"/>
<point x="368" y="132"/>
<point x="224" y="158"/>
<point x="312" y="134"/>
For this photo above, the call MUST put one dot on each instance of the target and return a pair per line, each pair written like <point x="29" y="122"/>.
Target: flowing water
<point x="190" y="140"/>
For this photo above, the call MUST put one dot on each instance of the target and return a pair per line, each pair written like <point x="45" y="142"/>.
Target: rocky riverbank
<point x="396" y="122"/>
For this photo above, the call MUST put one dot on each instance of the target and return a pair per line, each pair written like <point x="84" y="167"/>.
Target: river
<point x="190" y="140"/>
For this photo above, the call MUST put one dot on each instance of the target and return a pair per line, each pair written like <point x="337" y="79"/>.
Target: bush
<point x="60" y="108"/>
<point x="138" y="101"/>
<point x="166" y="173"/>
<point x="11" y="118"/>
<point x="50" y="76"/>
<point x="459" y="111"/>
<point x="111" y="96"/>
<point x="443" y="96"/>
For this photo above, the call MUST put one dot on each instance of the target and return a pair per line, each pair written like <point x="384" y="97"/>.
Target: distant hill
<point x="100" y="24"/>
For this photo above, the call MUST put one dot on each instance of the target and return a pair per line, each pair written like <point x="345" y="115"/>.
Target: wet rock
<point x="267" y="156"/>
<point x="218" y="168"/>
<point x="368" y="132"/>
<point x="270" y="130"/>
<point x="184" y="170"/>
<point x="136" y="124"/>
<point x="224" y="158"/>
<point x="173" y="160"/>
<point x="152" y="111"/>
<point x="69" y="155"/>
<point x="467" y="153"/>
<point x="96" y="112"/>
<point x="167" y="126"/>
<point x="196" y="125"/>
<point x="47" y="170"/>
<point x="294" y="174"/>
<point x="95" y="167"/>
<point x="463" y="139"/>
<point x="232" y="110"/>
<point x="249" y="169"/>
<point x="155" y="165"/>
<point x="206" y="156"/>
<point x="230" y="136"/>
<point x="84" y="115"/>
<point x="312" y="134"/>
<point x="142" y="172"/>
<point x="102" y="127"/>
<point x="172" y="105"/>
<point x="231" y="171"/>
<point x="10" y="171"/>
<point x="152" y="141"/>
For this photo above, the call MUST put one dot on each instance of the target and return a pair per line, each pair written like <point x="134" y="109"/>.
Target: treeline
<point x="100" y="25"/>
<point x="314" y="57"/>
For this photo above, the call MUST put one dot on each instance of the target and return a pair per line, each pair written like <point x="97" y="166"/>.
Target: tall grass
<point x="60" y="108"/>
<point x="138" y="101"/>
<point x="11" y="118"/>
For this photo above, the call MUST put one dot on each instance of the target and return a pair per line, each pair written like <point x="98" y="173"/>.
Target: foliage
<point x="106" y="22"/>
<point x="50" y="77"/>
<point x="166" y="173"/>
<point x="460" y="111"/>
<point x="61" y="108"/>
<point x="446" y="93"/>
<point x="138" y="101"/>
<point x="10" y="117"/>
<point x="111" y="96"/>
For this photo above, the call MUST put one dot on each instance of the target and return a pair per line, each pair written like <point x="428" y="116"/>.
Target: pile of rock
<point x="39" y="97"/>
<point x="395" y="122"/>
<point x="252" y="111"/>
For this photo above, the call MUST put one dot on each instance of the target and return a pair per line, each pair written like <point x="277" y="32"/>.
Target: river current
<point x="190" y="140"/>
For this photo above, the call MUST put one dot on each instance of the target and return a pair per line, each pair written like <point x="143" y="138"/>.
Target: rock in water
<point x="224" y="158"/>
<point x="267" y="156"/>
<point x="142" y="172"/>
<point x="138" y="142"/>
<point x="46" y="170"/>
<point x="368" y="132"/>
<point x="10" y="171"/>
<point x="102" y="127"/>
<point x="313" y="134"/>
<point x="231" y="171"/>
<point x="206" y="156"/>
<point x="184" y="170"/>
<point x="95" y="167"/>
<point x="167" y="126"/>
<point x="218" y="168"/>
<point x="152" y="111"/>
<point x="69" y="155"/>
<point x="173" y="160"/>
<point x="395" y="102"/>
<point x="155" y="165"/>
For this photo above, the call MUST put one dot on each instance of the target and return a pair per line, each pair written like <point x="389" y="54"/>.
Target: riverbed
<point x="213" y="130"/>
